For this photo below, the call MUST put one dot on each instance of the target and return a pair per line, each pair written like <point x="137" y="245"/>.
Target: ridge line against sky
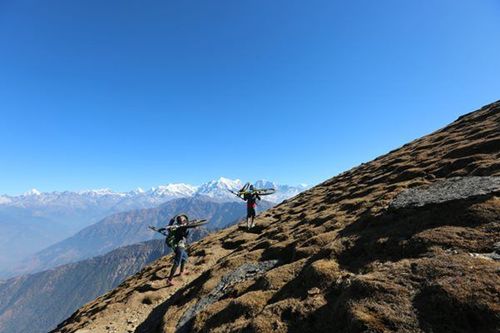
<point x="115" y="95"/>
<point x="139" y="189"/>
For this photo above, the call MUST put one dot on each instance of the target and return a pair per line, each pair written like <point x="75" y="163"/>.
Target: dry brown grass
<point x="347" y="264"/>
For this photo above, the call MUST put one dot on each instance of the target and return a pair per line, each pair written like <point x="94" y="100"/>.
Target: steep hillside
<point x="357" y="253"/>
<point x="132" y="227"/>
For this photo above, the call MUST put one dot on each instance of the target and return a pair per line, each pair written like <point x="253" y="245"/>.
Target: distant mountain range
<point x="139" y="198"/>
<point x="35" y="220"/>
<point x="131" y="227"/>
<point x="36" y="303"/>
<point x="219" y="189"/>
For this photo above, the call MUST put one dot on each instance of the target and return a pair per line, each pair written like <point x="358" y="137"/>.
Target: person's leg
<point x="249" y="216"/>
<point x="184" y="258"/>
<point x="172" y="272"/>
<point x="182" y="267"/>
<point x="252" y="217"/>
<point x="177" y="261"/>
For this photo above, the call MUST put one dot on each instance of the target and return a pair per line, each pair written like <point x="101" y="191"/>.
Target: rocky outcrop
<point x="495" y="254"/>
<point x="242" y="273"/>
<point x="457" y="188"/>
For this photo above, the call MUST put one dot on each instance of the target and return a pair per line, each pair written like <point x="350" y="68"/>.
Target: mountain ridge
<point x="157" y="194"/>
<point x="22" y="297"/>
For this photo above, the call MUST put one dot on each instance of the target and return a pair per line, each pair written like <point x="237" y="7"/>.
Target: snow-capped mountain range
<point x="215" y="189"/>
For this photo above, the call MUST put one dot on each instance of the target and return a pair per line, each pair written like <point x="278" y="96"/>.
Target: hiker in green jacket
<point x="177" y="240"/>
<point x="177" y="232"/>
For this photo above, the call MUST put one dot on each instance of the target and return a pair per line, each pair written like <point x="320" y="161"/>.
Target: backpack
<point x="170" y="240"/>
<point x="171" y="236"/>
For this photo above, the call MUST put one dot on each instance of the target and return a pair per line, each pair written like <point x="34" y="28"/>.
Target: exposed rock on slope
<point x="239" y="275"/>
<point x="458" y="188"/>
<point x="345" y="262"/>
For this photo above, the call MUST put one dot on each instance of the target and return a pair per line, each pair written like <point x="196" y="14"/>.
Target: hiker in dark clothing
<point x="177" y="241"/>
<point x="251" y="198"/>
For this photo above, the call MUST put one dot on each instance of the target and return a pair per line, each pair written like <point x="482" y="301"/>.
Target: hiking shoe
<point x="170" y="283"/>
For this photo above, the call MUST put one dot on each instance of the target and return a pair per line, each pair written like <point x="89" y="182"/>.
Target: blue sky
<point x="123" y="94"/>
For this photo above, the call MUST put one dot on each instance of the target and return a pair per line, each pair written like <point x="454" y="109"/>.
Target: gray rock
<point x="456" y="188"/>
<point x="242" y="273"/>
<point x="496" y="247"/>
<point x="493" y="255"/>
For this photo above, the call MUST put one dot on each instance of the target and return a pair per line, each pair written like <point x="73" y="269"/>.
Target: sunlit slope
<point x="344" y="256"/>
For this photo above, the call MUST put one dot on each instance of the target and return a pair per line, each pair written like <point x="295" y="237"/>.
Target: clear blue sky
<point x="123" y="94"/>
